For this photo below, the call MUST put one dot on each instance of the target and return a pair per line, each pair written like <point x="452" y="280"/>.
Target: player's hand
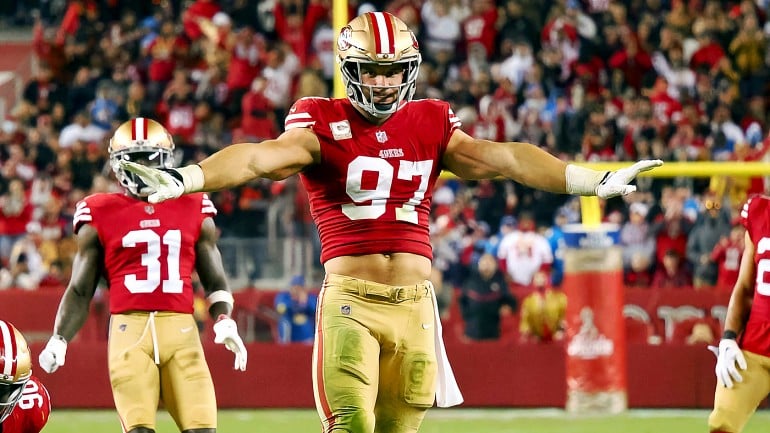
<point x="616" y="182"/>
<point x="52" y="357"/>
<point x="226" y="332"/>
<point x="162" y="184"/>
<point x="728" y="355"/>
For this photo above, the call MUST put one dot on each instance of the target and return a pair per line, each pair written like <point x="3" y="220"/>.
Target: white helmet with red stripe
<point x="382" y="39"/>
<point x="15" y="367"/>
<point x="143" y="141"/>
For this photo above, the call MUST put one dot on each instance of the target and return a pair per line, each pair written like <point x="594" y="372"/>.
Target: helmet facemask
<point x="362" y="94"/>
<point x="10" y="394"/>
<point x="150" y="156"/>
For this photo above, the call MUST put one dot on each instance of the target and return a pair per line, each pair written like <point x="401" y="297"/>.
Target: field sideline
<point x="438" y="421"/>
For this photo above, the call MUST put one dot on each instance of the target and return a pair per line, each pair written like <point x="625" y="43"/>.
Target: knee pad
<point x="419" y="379"/>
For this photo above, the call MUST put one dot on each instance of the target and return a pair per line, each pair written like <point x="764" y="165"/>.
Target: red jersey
<point x="149" y="249"/>
<point x="755" y="216"/>
<point x="32" y="410"/>
<point x="372" y="190"/>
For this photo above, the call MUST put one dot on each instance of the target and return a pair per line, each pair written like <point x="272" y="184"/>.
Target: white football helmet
<point x="145" y="142"/>
<point x="379" y="38"/>
<point x="15" y="367"/>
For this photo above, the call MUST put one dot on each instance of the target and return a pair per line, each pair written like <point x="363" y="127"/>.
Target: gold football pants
<point x="734" y="406"/>
<point x="158" y="356"/>
<point x="374" y="363"/>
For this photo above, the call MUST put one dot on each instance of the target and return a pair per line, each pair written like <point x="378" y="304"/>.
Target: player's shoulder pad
<point x="755" y="205"/>
<point x="436" y="108"/>
<point x="305" y="112"/>
<point x="90" y="205"/>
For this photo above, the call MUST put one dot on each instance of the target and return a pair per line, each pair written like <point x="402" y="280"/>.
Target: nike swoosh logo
<point x="426" y="325"/>
<point x="186" y="330"/>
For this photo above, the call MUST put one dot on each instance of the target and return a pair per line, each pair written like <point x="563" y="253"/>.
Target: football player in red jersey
<point x="24" y="401"/>
<point x="147" y="253"/>
<point x="743" y="355"/>
<point x="369" y="163"/>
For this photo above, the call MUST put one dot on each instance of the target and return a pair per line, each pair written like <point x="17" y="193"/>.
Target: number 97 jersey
<point x="31" y="412"/>
<point x="371" y="192"/>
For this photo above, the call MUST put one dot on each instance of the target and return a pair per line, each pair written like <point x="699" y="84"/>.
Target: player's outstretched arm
<point x="74" y="305"/>
<point x="527" y="164"/>
<point x="234" y="165"/>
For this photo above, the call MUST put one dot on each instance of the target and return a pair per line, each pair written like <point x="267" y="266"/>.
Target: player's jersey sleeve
<point x="753" y="216"/>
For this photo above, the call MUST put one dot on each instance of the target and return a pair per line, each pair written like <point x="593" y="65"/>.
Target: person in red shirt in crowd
<point x="247" y="51"/>
<point x="672" y="237"/>
<point x="727" y="255"/>
<point x="673" y="273"/>
<point x="479" y="28"/>
<point x="709" y="52"/>
<point x="165" y="51"/>
<point x="199" y="9"/>
<point x="15" y="212"/>
<point x="24" y="402"/>
<point x="638" y="272"/>
<point x="257" y="117"/>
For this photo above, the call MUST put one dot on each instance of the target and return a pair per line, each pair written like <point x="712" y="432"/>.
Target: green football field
<point x="438" y="421"/>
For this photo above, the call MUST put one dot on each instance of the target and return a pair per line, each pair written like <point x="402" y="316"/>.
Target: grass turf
<point x="437" y="421"/>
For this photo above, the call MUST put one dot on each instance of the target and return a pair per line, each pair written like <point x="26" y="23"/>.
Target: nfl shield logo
<point x="345" y="309"/>
<point x="149" y="209"/>
<point x="381" y="136"/>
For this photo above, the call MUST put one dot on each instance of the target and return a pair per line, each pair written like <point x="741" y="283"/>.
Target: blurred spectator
<point x="555" y="236"/>
<point x="727" y="255"/>
<point x="297" y="310"/>
<point x="713" y="223"/>
<point x="81" y="129"/>
<point x="482" y="296"/>
<point x="672" y="273"/>
<point x="15" y="213"/>
<point x="543" y="312"/>
<point x="27" y="266"/>
<point x="638" y="271"/>
<point x="257" y="117"/>
<point x="635" y="235"/>
<point x="525" y="252"/>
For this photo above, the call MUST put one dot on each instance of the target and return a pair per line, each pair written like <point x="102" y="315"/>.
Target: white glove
<point x="226" y="332"/>
<point x="616" y="182"/>
<point x="161" y="184"/>
<point x="52" y="357"/>
<point x="728" y="354"/>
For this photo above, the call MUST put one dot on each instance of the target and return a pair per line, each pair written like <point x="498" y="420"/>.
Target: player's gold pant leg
<point x="374" y="365"/>
<point x="186" y="387"/>
<point x="733" y="407"/>
<point x="133" y="374"/>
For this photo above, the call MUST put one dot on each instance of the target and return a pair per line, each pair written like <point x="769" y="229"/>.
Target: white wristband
<point x="192" y="178"/>
<point x="221" y="296"/>
<point x="581" y="180"/>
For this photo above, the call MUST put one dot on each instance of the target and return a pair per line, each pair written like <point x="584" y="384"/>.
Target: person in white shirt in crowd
<point x="81" y="129"/>
<point x="524" y="251"/>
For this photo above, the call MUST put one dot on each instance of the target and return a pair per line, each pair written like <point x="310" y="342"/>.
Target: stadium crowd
<point x="588" y="80"/>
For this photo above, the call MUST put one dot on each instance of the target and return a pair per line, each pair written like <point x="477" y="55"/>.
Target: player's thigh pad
<point x="133" y="374"/>
<point x="187" y="390"/>
<point x="734" y="406"/>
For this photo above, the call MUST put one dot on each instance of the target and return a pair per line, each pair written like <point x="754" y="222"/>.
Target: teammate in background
<point x="147" y="253"/>
<point x="743" y="355"/>
<point x="24" y="401"/>
<point x="369" y="163"/>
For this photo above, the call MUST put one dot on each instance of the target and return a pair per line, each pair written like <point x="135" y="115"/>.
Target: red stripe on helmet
<point x="375" y="31"/>
<point x="389" y="25"/>
<point x="133" y="129"/>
